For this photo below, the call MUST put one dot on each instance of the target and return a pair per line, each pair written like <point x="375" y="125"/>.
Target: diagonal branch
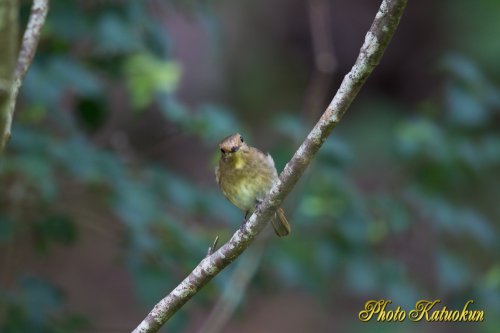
<point x="376" y="41"/>
<point x="39" y="11"/>
<point x="235" y="288"/>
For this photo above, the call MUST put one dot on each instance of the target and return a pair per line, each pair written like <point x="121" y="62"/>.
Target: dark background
<point x="107" y="192"/>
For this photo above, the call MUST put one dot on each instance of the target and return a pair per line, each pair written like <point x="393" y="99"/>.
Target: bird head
<point x="231" y="145"/>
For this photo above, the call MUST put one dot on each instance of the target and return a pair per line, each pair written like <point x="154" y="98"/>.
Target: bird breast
<point x="246" y="178"/>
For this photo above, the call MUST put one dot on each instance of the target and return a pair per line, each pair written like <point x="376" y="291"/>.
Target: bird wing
<point x="265" y="156"/>
<point x="270" y="160"/>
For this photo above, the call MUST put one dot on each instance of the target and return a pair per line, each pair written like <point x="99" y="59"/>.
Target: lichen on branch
<point x="39" y="10"/>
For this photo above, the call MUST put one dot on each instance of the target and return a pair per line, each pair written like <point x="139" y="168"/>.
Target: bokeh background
<point x="107" y="192"/>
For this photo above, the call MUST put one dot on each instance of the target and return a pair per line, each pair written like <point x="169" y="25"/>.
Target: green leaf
<point x="462" y="69"/>
<point x="148" y="75"/>
<point x="336" y="151"/>
<point x="464" y="108"/>
<point x="456" y="220"/>
<point x="116" y="36"/>
<point x="56" y="229"/>
<point x="72" y="74"/>
<point x="422" y="138"/>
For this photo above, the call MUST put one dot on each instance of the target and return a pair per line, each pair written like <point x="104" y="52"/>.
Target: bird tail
<point x="280" y="224"/>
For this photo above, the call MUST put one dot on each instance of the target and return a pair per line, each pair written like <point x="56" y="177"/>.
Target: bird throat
<point x="237" y="161"/>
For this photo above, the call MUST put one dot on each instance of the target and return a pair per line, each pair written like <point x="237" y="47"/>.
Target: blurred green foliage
<point x="147" y="76"/>
<point x="36" y="306"/>
<point x="428" y="188"/>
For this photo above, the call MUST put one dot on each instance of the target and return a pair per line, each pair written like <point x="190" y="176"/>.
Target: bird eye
<point x="241" y="139"/>
<point x="222" y="151"/>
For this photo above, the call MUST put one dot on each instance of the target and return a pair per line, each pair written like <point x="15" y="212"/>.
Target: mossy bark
<point x="9" y="30"/>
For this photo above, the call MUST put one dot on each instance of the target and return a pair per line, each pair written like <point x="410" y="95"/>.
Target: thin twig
<point x="213" y="247"/>
<point x="321" y="35"/>
<point x="376" y="41"/>
<point x="39" y="11"/>
<point x="325" y="60"/>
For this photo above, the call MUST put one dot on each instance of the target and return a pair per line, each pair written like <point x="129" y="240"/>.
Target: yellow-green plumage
<point x="245" y="175"/>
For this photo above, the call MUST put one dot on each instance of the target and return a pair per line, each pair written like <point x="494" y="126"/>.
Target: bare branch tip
<point x="213" y="248"/>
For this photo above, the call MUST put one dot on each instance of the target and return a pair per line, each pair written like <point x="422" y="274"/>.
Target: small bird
<point x="245" y="175"/>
